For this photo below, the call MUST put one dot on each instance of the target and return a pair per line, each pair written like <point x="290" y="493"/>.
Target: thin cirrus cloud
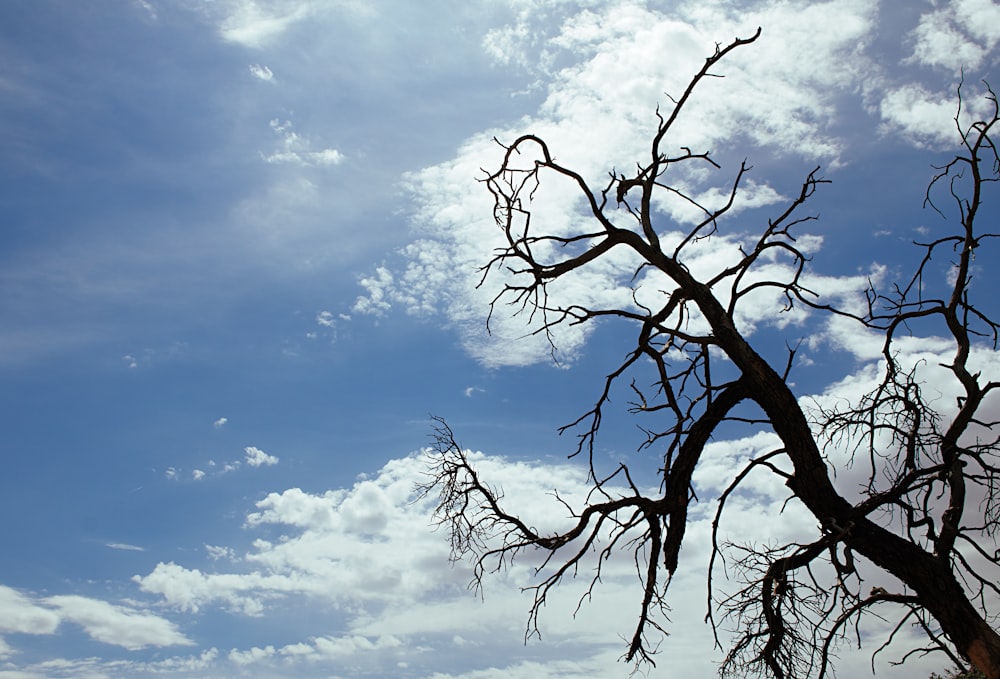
<point x="125" y="547"/>
<point x="261" y="72"/>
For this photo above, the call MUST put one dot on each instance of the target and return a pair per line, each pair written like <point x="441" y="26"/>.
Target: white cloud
<point x="954" y="37"/>
<point x="379" y="288"/>
<point x="255" y="457"/>
<point x="297" y="150"/>
<point x="250" y="656"/>
<point x="221" y="422"/>
<point x="125" y="547"/>
<point x="22" y="615"/>
<point x="261" y="72"/>
<point x="927" y="118"/>
<point x="260" y="24"/>
<point x="959" y="34"/>
<point x="786" y="95"/>
<point x="599" y="114"/>
<point x="369" y="553"/>
<point x="215" y="553"/>
<point x="252" y="456"/>
<point x="118" y="625"/>
<point x="256" y="24"/>
<point x="95" y="668"/>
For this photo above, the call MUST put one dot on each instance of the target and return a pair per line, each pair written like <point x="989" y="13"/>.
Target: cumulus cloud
<point x="320" y="649"/>
<point x="370" y="553"/>
<point x="370" y="549"/>
<point x="953" y="38"/>
<point x="252" y="457"/>
<point x="959" y="34"/>
<point x="598" y="114"/>
<point x="785" y="96"/>
<point x="928" y="118"/>
<point x="255" y="457"/>
<point x="220" y="423"/>
<point x="250" y="656"/>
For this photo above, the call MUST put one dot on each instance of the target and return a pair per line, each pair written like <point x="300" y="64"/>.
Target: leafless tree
<point x="928" y="516"/>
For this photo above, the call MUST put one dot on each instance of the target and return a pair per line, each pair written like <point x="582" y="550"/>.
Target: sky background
<point x="237" y="277"/>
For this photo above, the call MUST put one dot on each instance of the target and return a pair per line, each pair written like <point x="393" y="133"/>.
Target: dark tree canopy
<point x="928" y="515"/>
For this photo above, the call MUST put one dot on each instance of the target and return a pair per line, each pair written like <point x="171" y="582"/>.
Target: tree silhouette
<point x="962" y="674"/>
<point x="926" y="518"/>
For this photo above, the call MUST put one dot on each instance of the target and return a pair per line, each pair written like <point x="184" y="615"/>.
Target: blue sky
<point x="237" y="276"/>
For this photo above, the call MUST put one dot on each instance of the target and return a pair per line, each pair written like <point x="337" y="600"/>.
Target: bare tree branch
<point x="914" y="524"/>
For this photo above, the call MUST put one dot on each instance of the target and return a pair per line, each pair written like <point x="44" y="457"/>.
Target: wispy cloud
<point x="261" y="72"/>
<point x="148" y="8"/>
<point x="297" y="150"/>
<point x="125" y="547"/>
<point x="254" y="25"/>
